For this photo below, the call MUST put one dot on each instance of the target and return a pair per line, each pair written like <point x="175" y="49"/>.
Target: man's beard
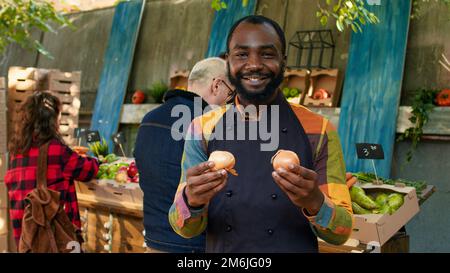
<point x="260" y="96"/>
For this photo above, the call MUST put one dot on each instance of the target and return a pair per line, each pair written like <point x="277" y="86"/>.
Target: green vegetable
<point x="123" y="164"/>
<point x="99" y="148"/>
<point x="293" y="92"/>
<point x="395" y="201"/>
<point x="113" y="169"/>
<point x="370" y="177"/>
<point x="111" y="175"/>
<point x="357" y="209"/>
<point x="358" y="195"/>
<point x="385" y="209"/>
<point x="286" y="91"/>
<point x="381" y="199"/>
<point x="111" y="158"/>
<point x="104" y="176"/>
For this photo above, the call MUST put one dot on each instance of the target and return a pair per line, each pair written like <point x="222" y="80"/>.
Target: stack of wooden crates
<point x="24" y="81"/>
<point x="111" y="217"/>
<point x="3" y="165"/>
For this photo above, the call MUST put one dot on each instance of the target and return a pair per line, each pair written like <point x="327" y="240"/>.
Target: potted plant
<point x="157" y="91"/>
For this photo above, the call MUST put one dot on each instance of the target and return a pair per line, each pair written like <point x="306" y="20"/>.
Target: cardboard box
<point x="370" y="228"/>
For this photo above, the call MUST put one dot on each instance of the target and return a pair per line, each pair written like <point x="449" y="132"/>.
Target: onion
<point x="284" y="158"/>
<point x="223" y="160"/>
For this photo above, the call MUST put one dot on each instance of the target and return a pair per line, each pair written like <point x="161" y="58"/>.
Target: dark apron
<point x="252" y="214"/>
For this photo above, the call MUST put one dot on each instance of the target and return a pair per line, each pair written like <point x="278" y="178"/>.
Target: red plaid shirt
<point x="64" y="166"/>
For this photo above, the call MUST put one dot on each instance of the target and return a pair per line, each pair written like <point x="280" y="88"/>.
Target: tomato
<point x="138" y="97"/>
<point x="443" y="98"/>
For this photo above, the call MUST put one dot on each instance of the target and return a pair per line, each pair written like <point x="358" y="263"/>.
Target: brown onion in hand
<point x="223" y="160"/>
<point x="284" y="158"/>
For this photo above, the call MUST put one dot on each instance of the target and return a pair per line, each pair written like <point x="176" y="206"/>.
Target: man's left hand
<point x="301" y="186"/>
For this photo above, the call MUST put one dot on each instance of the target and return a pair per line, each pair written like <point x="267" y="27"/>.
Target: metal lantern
<point x="310" y="47"/>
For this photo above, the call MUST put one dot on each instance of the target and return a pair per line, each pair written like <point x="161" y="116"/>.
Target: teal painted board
<point x="116" y="68"/>
<point x="223" y="20"/>
<point x="372" y="85"/>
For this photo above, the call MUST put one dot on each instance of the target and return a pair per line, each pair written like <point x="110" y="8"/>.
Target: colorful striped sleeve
<point x="185" y="221"/>
<point x="333" y="223"/>
<point x="188" y="222"/>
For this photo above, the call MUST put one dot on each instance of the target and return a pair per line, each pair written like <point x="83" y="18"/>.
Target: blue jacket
<point x="158" y="158"/>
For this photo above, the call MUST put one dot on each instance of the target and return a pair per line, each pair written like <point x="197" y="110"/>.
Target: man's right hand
<point x="202" y="183"/>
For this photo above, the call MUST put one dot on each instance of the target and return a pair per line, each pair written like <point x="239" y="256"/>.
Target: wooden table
<point x="111" y="216"/>
<point x="102" y="202"/>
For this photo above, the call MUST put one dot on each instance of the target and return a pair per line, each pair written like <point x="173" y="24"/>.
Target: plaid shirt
<point x="64" y="166"/>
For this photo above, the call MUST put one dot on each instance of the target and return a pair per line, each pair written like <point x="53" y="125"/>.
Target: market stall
<point x="112" y="218"/>
<point x="111" y="210"/>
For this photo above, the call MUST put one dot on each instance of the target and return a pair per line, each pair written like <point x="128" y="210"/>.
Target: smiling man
<point x="261" y="209"/>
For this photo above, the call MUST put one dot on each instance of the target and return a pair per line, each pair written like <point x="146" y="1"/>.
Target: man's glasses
<point x="231" y="91"/>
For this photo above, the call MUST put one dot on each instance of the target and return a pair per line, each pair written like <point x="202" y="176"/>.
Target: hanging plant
<point x="422" y="106"/>
<point x="348" y="13"/>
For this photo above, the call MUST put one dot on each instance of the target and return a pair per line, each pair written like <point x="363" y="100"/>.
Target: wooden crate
<point x="3" y="243"/>
<point x="24" y="81"/>
<point x="179" y="79"/>
<point x="3" y="165"/>
<point x="3" y="118"/>
<point x="399" y="243"/>
<point x="325" y="79"/>
<point x="100" y="199"/>
<point x="126" y="231"/>
<point x="126" y="199"/>
<point x="67" y="82"/>
<point x="3" y="195"/>
<point x="3" y="221"/>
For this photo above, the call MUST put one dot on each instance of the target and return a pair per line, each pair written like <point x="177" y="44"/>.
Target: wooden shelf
<point x="133" y="113"/>
<point x="438" y="124"/>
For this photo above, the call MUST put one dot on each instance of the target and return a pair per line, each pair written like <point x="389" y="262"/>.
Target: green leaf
<point x="336" y="8"/>
<point x="324" y="20"/>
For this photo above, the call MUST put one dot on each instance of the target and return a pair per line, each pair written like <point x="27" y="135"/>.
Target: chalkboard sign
<point x="92" y="136"/>
<point x="369" y="151"/>
<point x="118" y="138"/>
<point x="79" y="132"/>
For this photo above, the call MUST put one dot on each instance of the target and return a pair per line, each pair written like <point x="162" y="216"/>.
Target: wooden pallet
<point x="99" y="199"/>
<point x="65" y="82"/>
<point x="120" y="199"/>
<point x="326" y="79"/>
<point x="3" y="118"/>
<point x="3" y="165"/>
<point x="126" y="231"/>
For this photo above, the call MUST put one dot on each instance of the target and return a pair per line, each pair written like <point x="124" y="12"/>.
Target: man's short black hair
<point x="259" y="20"/>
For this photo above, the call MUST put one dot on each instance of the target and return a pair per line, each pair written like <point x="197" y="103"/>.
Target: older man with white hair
<point x="158" y="155"/>
<point x="209" y="80"/>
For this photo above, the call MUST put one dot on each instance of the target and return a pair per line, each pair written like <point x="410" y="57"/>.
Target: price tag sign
<point x="92" y="136"/>
<point x="79" y="132"/>
<point x="118" y="138"/>
<point x="369" y="151"/>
